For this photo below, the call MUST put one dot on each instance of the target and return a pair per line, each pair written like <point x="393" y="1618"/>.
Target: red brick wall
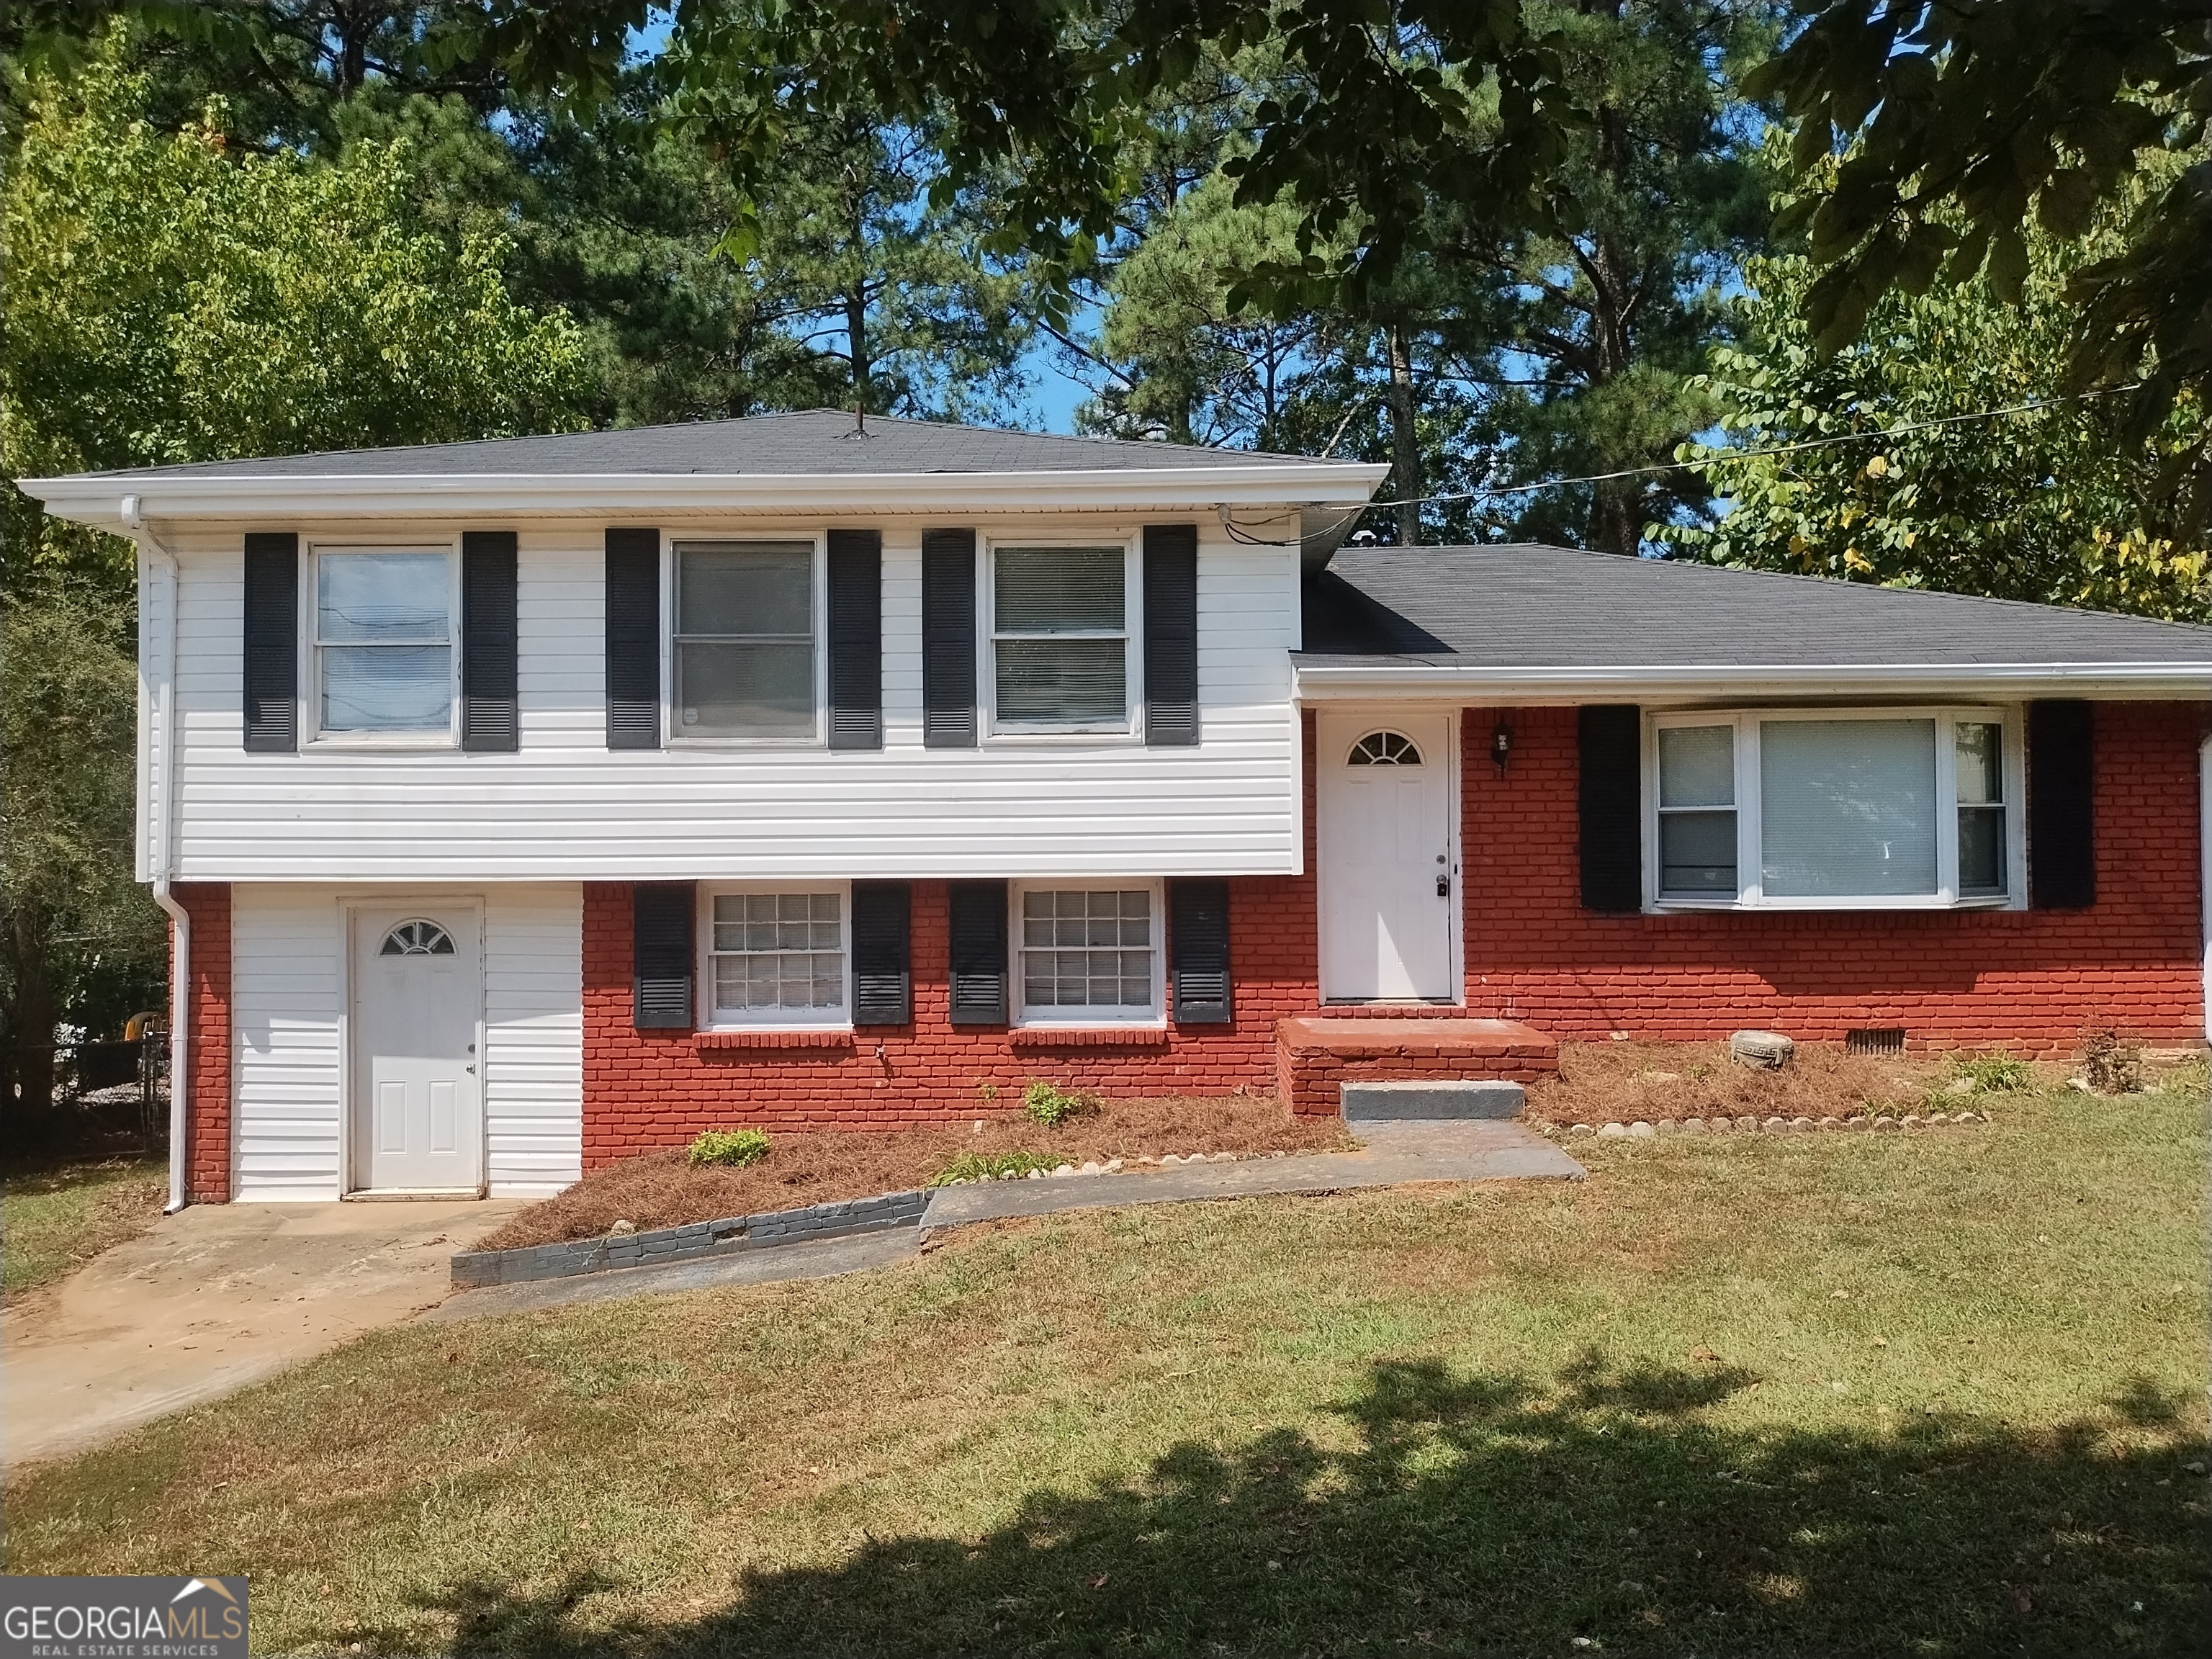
<point x="650" y="1088"/>
<point x="2028" y="979"/>
<point x="207" y="1041"/>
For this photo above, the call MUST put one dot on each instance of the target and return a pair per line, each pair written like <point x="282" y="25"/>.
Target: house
<point x="529" y="803"/>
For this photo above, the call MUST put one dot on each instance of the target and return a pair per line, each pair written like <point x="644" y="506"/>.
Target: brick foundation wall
<point x="2030" y="980"/>
<point x="207" y="1041"/>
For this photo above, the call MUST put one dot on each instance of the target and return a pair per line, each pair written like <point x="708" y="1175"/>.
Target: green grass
<point x="1923" y="1393"/>
<point x="56" y="1220"/>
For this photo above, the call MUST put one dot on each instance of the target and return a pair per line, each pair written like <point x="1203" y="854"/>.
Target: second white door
<point x="417" y="1125"/>
<point x="1388" y="867"/>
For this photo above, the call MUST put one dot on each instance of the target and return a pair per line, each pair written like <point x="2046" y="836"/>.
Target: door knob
<point x="1443" y="886"/>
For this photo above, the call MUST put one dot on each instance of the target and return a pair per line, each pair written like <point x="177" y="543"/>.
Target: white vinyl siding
<point x="565" y="808"/>
<point x="287" y="958"/>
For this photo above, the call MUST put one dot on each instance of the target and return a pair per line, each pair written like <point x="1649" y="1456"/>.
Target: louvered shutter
<point x="881" y="928"/>
<point x="1609" y="740"/>
<point x="1197" y="945"/>
<point x="1170" y="636"/>
<point x="856" y="639"/>
<point x="633" y="602"/>
<point x="271" y="678"/>
<point x="490" y="723"/>
<point x="948" y="638"/>
<point x="979" y="953"/>
<point x="662" y="956"/>
<point x="2061" y="794"/>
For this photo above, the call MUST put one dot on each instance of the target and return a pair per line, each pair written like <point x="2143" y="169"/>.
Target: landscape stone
<point x="1767" y="1051"/>
<point x="1775" y="1126"/>
<point x="1583" y="1129"/>
<point x="1910" y="1120"/>
<point x="1666" y="1126"/>
<point x="1693" y="1126"/>
<point x="1858" y="1122"/>
<point x="1938" y="1117"/>
<point x="1614" y="1131"/>
<point x="623" y="1229"/>
<point x="1885" y="1122"/>
<point x="1642" y="1130"/>
<point x="1960" y="1085"/>
<point x="1746" y="1121"/>
<point x="1800" y="1123"/>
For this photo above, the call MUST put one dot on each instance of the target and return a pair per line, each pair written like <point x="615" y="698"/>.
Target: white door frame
<point x="1366" y="716"/>
<point x="349" y="908"/>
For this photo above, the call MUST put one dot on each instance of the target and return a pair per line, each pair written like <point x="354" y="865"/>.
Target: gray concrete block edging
<point x="569" y="1257"/>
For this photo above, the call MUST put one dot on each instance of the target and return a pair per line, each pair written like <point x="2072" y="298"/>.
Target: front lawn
<point x="1934" y="1394"/>
<point x="59" y="1217"/>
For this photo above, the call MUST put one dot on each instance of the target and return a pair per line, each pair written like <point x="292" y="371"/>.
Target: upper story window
<point x="384" y="661"/>
<point x="1060" y="639"/>
<point x="1836" y="808"/>
<point x="746" y="641"/>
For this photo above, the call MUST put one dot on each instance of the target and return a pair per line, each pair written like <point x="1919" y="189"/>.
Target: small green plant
<point x="986" y="1091"/>
<point x="1995" y="1073"/>
<point x="729" y="1147"/>
<point x="1052" y="1106"/>
<point x="2110" y="1065"/>
<point x="994" y="1166"/>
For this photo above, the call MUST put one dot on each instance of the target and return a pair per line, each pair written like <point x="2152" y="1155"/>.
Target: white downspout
<point x="161" y="753"/>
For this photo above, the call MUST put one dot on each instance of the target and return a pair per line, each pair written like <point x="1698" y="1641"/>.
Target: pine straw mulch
<point x="660" y="1190"/>
<point x="1603" y="1083"/>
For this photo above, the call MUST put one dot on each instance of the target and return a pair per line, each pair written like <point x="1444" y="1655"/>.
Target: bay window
<point x="1059" y="639"/>
<point x="1834" y="809"/>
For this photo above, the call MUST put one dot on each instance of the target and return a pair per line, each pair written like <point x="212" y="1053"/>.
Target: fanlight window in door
<point x="1384" y="749"/>
<point x="418" y="938"/>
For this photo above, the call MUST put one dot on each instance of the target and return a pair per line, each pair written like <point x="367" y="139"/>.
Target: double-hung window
<point x="746" y="665"/>
<point x="1835" y="809"/>
<point x="1088" y="954"/>
<point x="384" y="661"/>
<point x="778" y="957"/>
<point x="1060" y="639"/>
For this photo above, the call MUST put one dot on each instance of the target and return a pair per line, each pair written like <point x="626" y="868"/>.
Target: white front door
<point x="1389" y="864"/>
<point x="417" y="980"/>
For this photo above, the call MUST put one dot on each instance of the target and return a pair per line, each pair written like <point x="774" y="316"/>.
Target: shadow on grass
<point x="1497" y="1513"/>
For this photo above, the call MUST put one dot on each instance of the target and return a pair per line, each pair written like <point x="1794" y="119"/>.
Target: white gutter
<point x="161" y="752"/>
<point x="90" y="498"/>
<point x="1402" y="680"/>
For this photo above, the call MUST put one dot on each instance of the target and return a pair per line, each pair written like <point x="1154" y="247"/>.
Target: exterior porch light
<point x="1501" y="744"/>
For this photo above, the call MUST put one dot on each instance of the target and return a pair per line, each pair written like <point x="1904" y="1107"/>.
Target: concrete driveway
<point x="212" y="1298"/>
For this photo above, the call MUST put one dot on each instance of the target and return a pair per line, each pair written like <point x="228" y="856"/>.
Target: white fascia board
<point x="1403" y="682"/>
<point x="97" y="500"/>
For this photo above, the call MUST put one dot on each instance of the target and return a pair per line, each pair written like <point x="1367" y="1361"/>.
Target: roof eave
<point x="1400" y="680"/>
<point x="97" y="499"/>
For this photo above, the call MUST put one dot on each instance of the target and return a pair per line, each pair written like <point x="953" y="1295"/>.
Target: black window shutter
<point x="2061" y="794"/>
<point x="856" y="639"/>
<point x="979" y="953"/>
<point x="883" y="986"/>
<point x="1171" y="635"/>
<point x="1198" y="945"/>
<point x="948" y="638"/>
<point x="661" y="943"/>
<point x="633" y="639"/>
<point x="1610" y="740"/>
<point x="272" y="643"/>
<point x="491" y="723"/>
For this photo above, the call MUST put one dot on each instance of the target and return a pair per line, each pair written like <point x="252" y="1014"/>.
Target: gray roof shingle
<point x="820" y="441"/>
<point x="1529" y="606"/>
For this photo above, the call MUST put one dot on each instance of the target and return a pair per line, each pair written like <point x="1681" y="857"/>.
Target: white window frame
<point x="1130" y="729"/>
<point x="672" y="729"/>
<point x="1057" y="1017"/>
<point x="712" y="1018"/>
<point x="310" y="657"/>
<point x="1750" y="838"/>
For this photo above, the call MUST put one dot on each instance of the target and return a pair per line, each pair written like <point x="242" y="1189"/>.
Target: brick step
<point x="1315" y="1057"/>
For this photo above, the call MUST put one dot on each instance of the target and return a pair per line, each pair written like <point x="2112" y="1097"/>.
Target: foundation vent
<point x="1876" y="1040"/>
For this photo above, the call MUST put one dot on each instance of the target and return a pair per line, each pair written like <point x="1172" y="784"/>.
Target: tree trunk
<point x="1404" y="438"/>
<point x="856" y="337"/>
<point x="31" y="1016"/>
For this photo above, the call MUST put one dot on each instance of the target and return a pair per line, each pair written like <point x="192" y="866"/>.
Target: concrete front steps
<point x="1378" y="1068"/>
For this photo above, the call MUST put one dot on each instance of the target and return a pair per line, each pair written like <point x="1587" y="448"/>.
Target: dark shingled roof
<point x="1528" y="606"/>
<point x="818" y="442"/>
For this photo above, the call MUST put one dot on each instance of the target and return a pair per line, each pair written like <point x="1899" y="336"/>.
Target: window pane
<point x="387" y="688"/>
<point x="1696" y="766"/>
<point x="394" y="597"/>
<point x="1086" y="949"/>
<point x="1850" y="807"/>
<point x="756" y="690"/>
<point x="1047" y="590"/>
<point x="760" y="587"/>
<point x="1981" y="762"/>
<point x="1982" y="850"/>
<point x="779" y="952"/>
<point x="1697" y="853"/>
<point x="1063" y="682"/>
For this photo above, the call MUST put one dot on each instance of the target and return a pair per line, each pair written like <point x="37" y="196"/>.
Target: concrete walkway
<point x="211" y="1299"/>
